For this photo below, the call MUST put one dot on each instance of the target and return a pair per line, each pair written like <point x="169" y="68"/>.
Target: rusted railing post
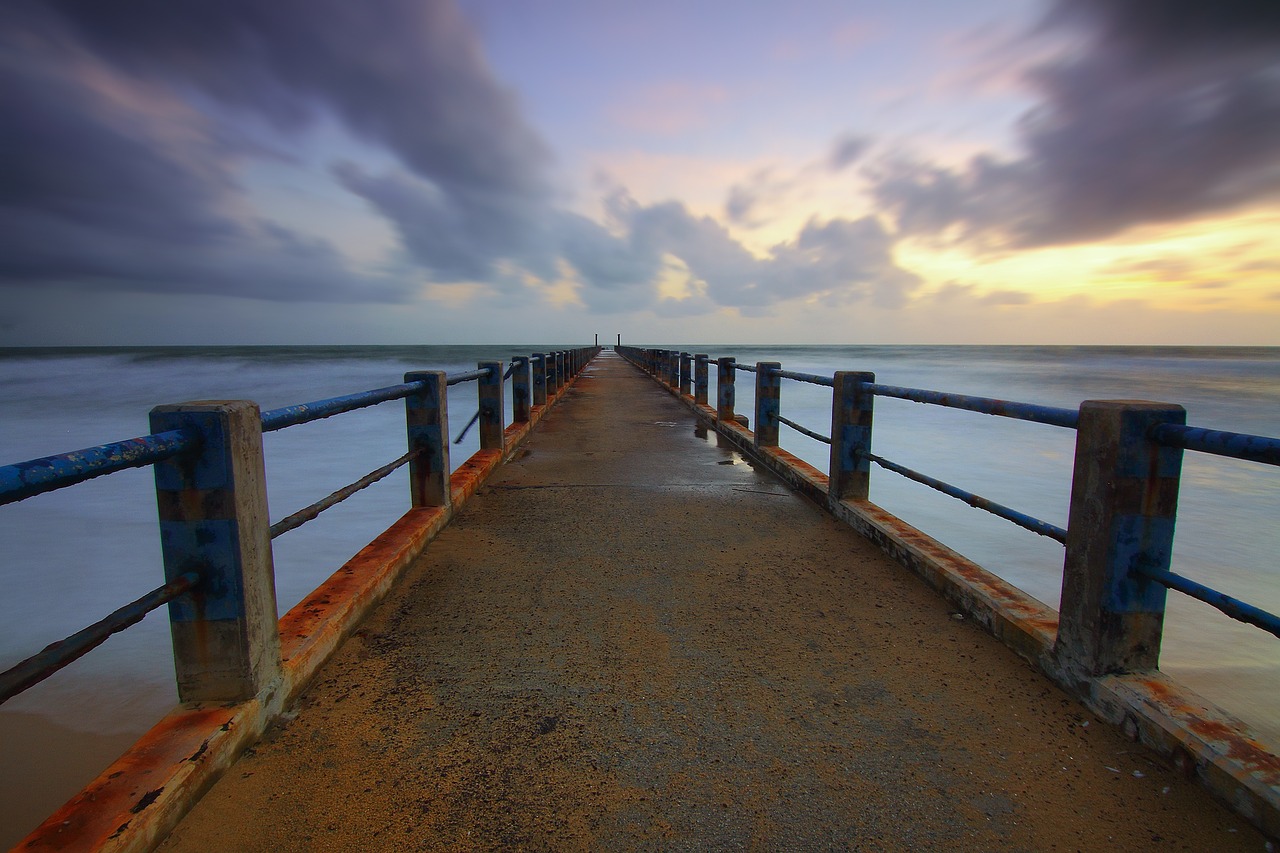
<point x="520" y="397"/>
<point x="213" y="521"/>
<point x="427" y="417"/>
<point x="673" y="369"/>
<point x="561" y="378"/>
<point x="539" y="379"/>
<point x="1124" y="497"/>
<point x="849" y="476"/>
<point x="686" y="379"/>
<point x="768" y="402"/>
<point x="491" y="405"/>
<point x="700" y="379"/>
<point x="725" y="393"/>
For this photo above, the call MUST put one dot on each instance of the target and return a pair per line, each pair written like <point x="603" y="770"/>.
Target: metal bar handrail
<point x="23" y="480"/>
<point x="1068" y="418"/>
<point x="308" y="513"/>
<point x="811" y="378"/>
<point x="303" y="413"/>
<point x="1233" y="607"/>
<point x="803" y="430"/>
<point x="56" y="655"/>
<point x="1023" y="520"/>
<point x="469" y="376"/>
<point x="750" y="368"/>
<point x="1237" y="445"/>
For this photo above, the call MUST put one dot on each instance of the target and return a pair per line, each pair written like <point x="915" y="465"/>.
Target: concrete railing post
<point x="552" y="381"/>
<point x="725" y="393"/>
<point x="521" y="400"/>
<point x="213" y="521"/>
<point x="560" y="368"/>
<point x="427" y="418"/>
<point x="686" y="378"/>
<point x="672" y="377"/>
<point x="1124" y="498"/>
<point x="768" y="403"/>
<point x="849" y="476"/>
<point x="491" y="405"/>
<point x="700" y="379"/>
<point x="539" y="379"/>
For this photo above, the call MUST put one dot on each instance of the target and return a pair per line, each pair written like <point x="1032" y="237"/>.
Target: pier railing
<point x="214" y="529"/>
<point x="1119" y="534"/>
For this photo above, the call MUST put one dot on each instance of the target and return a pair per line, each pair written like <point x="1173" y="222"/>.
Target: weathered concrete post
<point x="213" y="521"/>
<point x="849" y="476"/>
<point x="561" y="378"/>
<point x="427" y="416"/>
<point x="552" y="382"/>
<point x="725" y="393"/>
<point x="768" y="402"/>
<point x="673" y="369"/>
<point x="686" y="379"/>
<point x="1124" y="497"/>
<point x="521" y="400"/>
<point x="491" y="405"/>
<point x="539" y="379"/>
<point x="700" y="379"/>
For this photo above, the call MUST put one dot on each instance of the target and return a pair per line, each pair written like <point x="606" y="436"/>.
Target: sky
<point x="480" y="171"/>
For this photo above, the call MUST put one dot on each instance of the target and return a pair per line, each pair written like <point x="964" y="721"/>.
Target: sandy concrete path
<point x="633" y="640"/>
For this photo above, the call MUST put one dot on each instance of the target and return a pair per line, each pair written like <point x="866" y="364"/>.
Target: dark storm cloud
<point x="405" y="73"/>
<point x="121" y="168"/>
<point x="1168" y="110"/>
<point x="109" y="175"/>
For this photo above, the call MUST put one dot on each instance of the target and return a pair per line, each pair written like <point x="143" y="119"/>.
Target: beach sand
<point x="67" y="759"/>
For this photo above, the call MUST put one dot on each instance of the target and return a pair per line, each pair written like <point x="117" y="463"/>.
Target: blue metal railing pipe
<point x="1021" y="519"/>
<point x="469" y="376"/>
<point x="985" y="405"/>
<point x="1238" y="445"/>
<point x="307" y="412"/>
<point x="22" y="480"/>
<point x="1233" y="607"/>
<point x="811" y="378"/>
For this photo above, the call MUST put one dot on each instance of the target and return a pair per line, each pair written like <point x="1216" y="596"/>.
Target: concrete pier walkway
<point x="631" y="639"/>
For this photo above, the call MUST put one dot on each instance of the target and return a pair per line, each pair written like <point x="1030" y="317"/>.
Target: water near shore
<point x="74" y="555"/>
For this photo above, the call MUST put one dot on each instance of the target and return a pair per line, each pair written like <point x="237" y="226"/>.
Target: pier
<point x="639" y="624"/>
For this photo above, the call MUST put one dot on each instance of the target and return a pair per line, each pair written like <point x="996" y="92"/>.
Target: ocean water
<point x="74" y="555"/>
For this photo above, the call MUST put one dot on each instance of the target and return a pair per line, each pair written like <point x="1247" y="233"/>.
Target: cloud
<point x="846" y="151"/>
<point x="121" y="168"/>
<point x="769" y="190"/>
<point x="846" y="260"/>
<point x="1167" y="111"/>
<point x="123" y="172"/>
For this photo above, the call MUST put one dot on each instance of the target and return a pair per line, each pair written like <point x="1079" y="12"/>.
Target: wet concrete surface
<point x="633" y="640"/>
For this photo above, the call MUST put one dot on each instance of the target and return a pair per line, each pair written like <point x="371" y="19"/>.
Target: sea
<point x="72" y="556"/>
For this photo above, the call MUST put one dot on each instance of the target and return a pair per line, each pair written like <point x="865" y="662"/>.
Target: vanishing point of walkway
<point x="631" y="639"/>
